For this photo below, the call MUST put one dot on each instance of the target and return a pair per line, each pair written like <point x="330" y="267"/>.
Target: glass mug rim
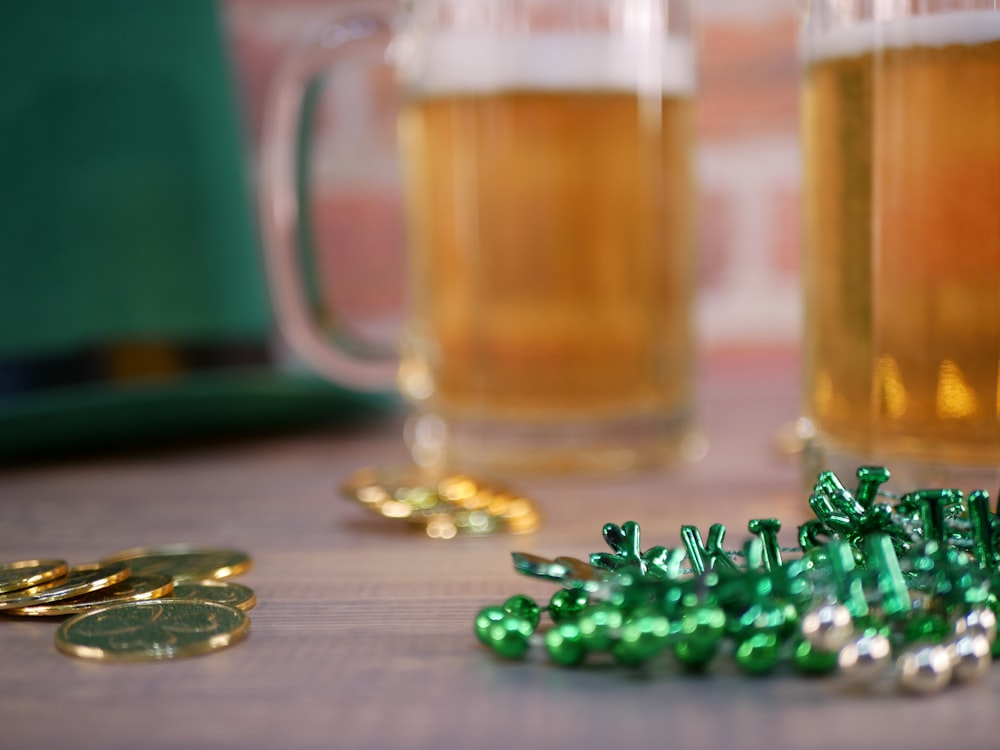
<point x="558" y="59"/>
<point x="821" y="17"/>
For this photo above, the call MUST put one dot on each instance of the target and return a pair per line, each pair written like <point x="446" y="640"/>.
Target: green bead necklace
<point x="880" y="587"/>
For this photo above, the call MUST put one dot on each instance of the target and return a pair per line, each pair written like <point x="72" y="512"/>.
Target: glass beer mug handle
<point x="345" y="35"/>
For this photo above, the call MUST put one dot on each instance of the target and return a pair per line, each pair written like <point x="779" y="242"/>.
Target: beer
<point x="901" y="134"/>
<point x="551" y="233"/>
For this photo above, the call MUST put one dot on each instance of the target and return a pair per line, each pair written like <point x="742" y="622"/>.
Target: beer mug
<point x="546" y="152"/>
<point x="901" y="140"/>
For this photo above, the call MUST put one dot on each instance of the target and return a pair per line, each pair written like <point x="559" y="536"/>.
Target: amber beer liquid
<point x="902" y="219"/>
<point x="550" y="208"/>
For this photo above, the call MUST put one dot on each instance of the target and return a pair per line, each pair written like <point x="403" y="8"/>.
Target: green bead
<point x="487" y="617"/>
<point x="695" y="655"/>
<point x="524" y="606"/>
<point x="642" y="638"/>
<point x="811" y="660"/>
<point x="758" y="654"/>
<point x="599" y="626"/>
<point x="816" y="559"/>
<point x="927" y="627"/>
<point x="672" y="600"/>
<point x="566" y="605"/>
<point x="702" y="626"/>
<point x="775" y="617"/>
<point x="993" y="602"/>
<point x="509" y="637"/>
<point x="689" y="594"/>
<point x="791" y="620"/>
<point x="564" y="644"/>
<point x="975" y="592"/>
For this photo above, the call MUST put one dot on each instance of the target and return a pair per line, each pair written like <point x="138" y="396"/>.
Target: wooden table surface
<point x="362" y="637"/>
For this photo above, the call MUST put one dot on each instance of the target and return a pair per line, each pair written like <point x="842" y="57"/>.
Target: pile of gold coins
<point x="140" y="604"/>
<point x="445" y="506"/>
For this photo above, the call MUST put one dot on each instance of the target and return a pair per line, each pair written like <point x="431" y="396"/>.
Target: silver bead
<point x="924" y="669"/>
<point x="983" y="619"/>
<point x="828" y="627"/>
<point x="970" y="656"/>
<point x="865" y="659"/>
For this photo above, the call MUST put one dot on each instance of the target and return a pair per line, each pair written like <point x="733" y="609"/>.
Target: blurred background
<point x="748" y="157"/>
<point x="133" y="302"/>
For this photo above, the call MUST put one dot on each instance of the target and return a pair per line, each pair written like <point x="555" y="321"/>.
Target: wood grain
<point x="362" y="637"/>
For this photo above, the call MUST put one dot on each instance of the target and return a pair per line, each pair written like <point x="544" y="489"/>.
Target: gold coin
<point x="226" y="592"/>
<point x="153" y="629"/>
<point x="24" y="574"/>
<point x="82" y="579"/>
<point x="183" y="562"/>
<point x="443" y="505"/>
<point x="132" y="589"/>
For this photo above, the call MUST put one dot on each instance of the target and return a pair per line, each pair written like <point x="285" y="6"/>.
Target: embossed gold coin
<point x="150" y="630"/>
<point x="82" y="579"/>
<point x="24" y="574"/>
<point x="183" y="562"/>
<point x="133" y="588"/>
<point x="226" y="592"/>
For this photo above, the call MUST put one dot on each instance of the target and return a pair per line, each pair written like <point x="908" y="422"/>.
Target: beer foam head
<point x="934" y="30"/>
<point x="474" y="63"/>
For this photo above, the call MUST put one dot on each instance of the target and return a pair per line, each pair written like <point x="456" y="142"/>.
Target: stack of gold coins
<point x="138" y="604"/>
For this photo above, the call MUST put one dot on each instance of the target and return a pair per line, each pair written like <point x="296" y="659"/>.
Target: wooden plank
<point x="363" y="634"/>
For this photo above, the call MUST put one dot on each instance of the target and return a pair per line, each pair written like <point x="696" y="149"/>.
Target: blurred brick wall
<point x="749" y="172"/>
<point x="748" y="167"/>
